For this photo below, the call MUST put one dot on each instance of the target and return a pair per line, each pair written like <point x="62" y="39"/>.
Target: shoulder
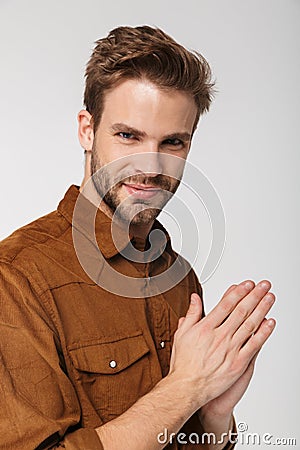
<point x="22" y="245"/>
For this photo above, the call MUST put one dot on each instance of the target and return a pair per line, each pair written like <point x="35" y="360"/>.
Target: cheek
<point x="173" y="167"/>
<point x="104" y="148"/>
<point x="111" y="151"/>
<point x="117" y="159"/>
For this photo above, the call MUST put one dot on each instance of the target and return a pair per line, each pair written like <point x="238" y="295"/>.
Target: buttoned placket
<point x="157" y="314"/>
<point x="160" y="316"/>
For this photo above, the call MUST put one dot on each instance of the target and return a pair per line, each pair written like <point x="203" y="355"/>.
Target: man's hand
<point x="214" y="357"/>
<point x="211" y="365"/>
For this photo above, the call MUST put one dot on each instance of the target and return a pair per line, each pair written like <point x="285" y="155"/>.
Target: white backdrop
<point x="248" y="146"/>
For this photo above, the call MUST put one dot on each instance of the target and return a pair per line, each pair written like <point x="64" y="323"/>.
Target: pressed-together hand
<point x="211" y="365"/>
<point x="215" y="356"/>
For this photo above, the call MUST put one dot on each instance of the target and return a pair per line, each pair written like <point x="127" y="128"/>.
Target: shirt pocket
<point x="114" y="373"/>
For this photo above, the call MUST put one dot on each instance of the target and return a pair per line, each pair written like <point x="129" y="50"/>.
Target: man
<point x="95" y="353"/>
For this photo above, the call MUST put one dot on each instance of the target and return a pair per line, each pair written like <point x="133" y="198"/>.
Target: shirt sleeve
<point x="39" y="408"/>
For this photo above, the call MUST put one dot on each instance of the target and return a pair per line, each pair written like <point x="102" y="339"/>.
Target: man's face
<point x="142" y="123"/>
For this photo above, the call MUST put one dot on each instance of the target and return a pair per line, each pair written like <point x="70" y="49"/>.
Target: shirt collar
<point x="87" y="213"/>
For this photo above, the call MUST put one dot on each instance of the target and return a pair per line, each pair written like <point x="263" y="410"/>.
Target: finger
<point x="180" y="322"/>
<point x="251" y="364"/>
<point x="253" y="322"/>
<point x="255" y="342"/>
<point x="193" y="314"/>
<point x="243" y="310"/>
<point x="253" y="360"/>
<point x="230" y="289"/>
<point x="247" y="375"/>
<point x="228" y="302"/>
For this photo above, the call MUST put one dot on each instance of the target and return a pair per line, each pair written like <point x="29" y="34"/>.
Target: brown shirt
<point x="73" y="354"/>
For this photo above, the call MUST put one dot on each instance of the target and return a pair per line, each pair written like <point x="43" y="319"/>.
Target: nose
<point x="149" y="161"/>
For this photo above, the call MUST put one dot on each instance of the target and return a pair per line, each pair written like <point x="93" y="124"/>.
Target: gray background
<point x="247" y="146"/>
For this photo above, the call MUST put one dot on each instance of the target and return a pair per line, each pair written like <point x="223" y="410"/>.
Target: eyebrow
<point x="128" y="129"/>
<point x="184" y="136"/>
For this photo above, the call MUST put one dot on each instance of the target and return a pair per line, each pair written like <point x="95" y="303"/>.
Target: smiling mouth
<point x="141" y="191"/>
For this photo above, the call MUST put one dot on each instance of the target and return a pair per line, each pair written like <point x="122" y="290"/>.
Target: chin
<point x="144" y="218"/>
<point x="139" y="217"/>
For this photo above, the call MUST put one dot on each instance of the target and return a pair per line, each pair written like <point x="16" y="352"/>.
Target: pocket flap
<point x="109" y="357"/>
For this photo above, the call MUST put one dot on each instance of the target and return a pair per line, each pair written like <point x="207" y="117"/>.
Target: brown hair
<point x="145" y="52"/>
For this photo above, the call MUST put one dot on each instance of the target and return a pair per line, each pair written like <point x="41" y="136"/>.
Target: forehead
<point x="145" y="106"/>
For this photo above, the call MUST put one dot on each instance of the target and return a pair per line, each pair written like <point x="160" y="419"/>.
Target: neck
<point x="141" y="231"/>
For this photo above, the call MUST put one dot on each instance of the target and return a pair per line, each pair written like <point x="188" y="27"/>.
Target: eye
<point x="125" y="135"/>
<point x="173" y="142"/>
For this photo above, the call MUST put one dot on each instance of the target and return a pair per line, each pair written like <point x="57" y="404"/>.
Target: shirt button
<point x="162" y="344"/>
<point x="112" y="364"/>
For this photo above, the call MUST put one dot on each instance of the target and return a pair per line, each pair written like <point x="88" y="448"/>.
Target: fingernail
<point x="265" y="285"/>
<point x="270" y="298"/>
<point x="248" y="284"/>
<point x="271" y="323"/>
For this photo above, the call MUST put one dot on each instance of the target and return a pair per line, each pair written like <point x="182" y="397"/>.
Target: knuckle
<point x="254" y="344"/>
<point x="250" y="326"/>
<point x="227" y="305"/>
<point x="242" y="311"/>
<point x="205" y="325"/>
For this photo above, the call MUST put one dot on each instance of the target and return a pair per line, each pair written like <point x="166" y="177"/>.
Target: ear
<point x="85" y="130"/>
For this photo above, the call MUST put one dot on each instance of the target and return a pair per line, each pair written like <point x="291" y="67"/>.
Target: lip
<point x="140" y="190"/>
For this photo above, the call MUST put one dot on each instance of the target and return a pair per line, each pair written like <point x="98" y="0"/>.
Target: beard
<point x="136" y="211"/>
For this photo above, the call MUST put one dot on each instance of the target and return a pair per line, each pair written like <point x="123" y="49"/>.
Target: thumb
<point x="194" y="312"/>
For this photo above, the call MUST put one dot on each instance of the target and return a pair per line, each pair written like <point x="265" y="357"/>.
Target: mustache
<point x="159" y="181"/>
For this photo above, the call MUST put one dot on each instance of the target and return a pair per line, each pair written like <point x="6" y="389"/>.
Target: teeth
<point x="141" y="188"/>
